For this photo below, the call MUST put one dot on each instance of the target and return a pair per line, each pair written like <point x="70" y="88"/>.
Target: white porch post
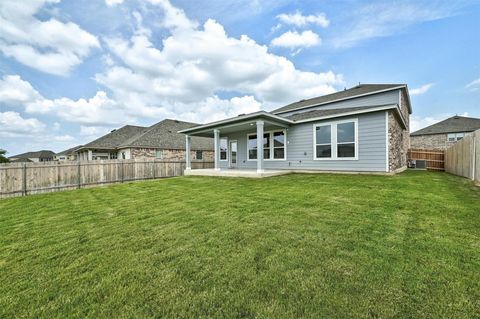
<point x="216" y="135"/>
<point x="260" y="146"/>
<point x="90" y="155"/>
<point x="188" y="156"/>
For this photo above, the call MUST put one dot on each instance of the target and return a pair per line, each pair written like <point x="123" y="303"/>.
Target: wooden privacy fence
<point x="463" y="158"/>
<point x="433" y="158"/>
<point x="21" y="179"/>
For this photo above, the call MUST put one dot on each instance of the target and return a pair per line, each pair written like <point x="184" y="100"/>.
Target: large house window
<point x="223" y="149"/>
<point x="336" y="140"/>
<point x="273" y="146"/>
<point x="199" y="155"/>
<point x="453" y="137"/>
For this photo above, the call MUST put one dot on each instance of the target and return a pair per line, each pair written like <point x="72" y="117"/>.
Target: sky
<point x="71" y="71"/>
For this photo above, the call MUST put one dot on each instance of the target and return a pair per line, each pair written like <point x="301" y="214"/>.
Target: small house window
<point x="252" y="147"/>
<point x="113" y="155"/>
<point x="199" y="155"/>
<point x="453" y="137"/>
<point x="223" y="149"/>
<point x="158" y="154"/>
<point x="323" y="137"/>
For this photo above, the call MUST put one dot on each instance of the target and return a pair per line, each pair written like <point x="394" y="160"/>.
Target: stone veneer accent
<point x="172" y="155"/>
<point x="430" y="142"/>
<point x="399" y="138"/>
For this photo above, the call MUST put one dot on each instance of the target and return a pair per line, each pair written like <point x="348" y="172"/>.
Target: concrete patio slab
<point x="249" y="173"/>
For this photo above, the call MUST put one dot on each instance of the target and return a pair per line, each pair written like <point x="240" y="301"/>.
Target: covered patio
<point x="257" y="123"/>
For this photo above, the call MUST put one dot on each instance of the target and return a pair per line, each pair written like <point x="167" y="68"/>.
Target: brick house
<point x="441" y="135"/>
<point x="159" y="141"/>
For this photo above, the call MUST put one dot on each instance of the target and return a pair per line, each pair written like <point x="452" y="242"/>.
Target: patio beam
<point x="260" y="125"/>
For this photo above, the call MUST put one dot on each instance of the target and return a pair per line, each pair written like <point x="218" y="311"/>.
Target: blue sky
<point x="71" y="71"/>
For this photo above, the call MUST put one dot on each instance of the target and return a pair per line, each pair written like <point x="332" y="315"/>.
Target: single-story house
<point x="362" y="129"/>
<point x="67" y="155"/>
<point x="442" y="135"/>
<point x="39" y="156"/>
<point x="160" y="141"/>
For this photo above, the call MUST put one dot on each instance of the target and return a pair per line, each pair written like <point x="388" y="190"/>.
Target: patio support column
<point x="260" y="146"/>
<point x="188" y="155"/>
<point x="90" y="155"/>
<point x="216" y="135"/>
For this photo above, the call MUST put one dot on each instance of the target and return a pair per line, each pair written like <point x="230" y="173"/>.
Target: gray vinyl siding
<point x="371" y="147"/>
<point x="385" y="98"/>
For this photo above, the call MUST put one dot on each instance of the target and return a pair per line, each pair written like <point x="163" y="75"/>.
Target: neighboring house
<point x="67" y="155"/>
<point x="40" y="156"/>
<point x="160" y="141"/>
<point x="441" y="135"/>
<point x="362" y="129"/>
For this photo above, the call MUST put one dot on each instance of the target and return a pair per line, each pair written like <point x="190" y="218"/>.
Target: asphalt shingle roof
<point x="69" y="151"/>
<point x="350" y="93"/>
<point x="164" y="135"/>
<point x="453" y="124"/>
<point x="116" y="137"/>
<point x="38" y="154"/>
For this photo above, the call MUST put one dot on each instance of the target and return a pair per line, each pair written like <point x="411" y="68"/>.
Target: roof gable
<point x="37" y="154"/>
<point x="357" y="91"/>
<point x="116" y="137"/>
<point x="454" y="124"/>
<point x="165" y="135"/>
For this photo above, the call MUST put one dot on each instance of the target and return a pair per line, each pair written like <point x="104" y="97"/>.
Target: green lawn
<point x="282" y="247"/>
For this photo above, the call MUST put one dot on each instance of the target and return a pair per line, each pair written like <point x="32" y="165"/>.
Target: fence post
<point x="154" y="169"/>
<point x="24" y="180"/>
<point x="79" y="172"/>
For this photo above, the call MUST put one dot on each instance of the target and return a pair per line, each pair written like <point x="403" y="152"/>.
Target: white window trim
<point x="456" y="136"/>
<point x="333" y="140"/>
<point x="271" y="146"/>
<point x="220" y="147"/>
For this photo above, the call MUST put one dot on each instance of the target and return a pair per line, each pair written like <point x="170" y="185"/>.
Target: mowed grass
<point x="283" y="247"/>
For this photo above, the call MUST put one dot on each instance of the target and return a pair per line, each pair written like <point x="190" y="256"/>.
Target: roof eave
<point x="346" y="98"/>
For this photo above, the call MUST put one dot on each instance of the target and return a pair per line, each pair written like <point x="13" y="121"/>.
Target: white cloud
<point x="295" y="40"/>
<point x="194" y="65"/>
<point x="63" y="138"/>
<point x="184" y="77"/>
<point x="12" y="123"/>
<point x="386" y="18"/>
<point x="422" y="89"/>
<point x="112" y="3"/>
<point x="300" y="20"/>
<point x="93" y="130"/>
<point x="474" y="85"/>
<point x="49" y="45"/>
<point x="99" y="109"/>
<point x="13" y="90"/>
<point x="419" y="122"/>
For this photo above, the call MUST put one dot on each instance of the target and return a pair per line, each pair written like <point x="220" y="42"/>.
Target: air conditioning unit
<point x="421" y="164"/>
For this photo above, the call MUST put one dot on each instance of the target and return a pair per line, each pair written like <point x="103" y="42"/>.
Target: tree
<point x="3" y="158"/>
